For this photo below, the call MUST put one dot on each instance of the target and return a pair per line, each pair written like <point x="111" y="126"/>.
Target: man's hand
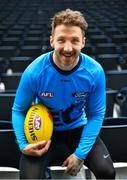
<point x="37" y="149"/>
<point x="73" y="165"/>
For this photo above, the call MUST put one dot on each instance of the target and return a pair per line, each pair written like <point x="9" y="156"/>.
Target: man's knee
<point x="106" y="173"/>
<point x="110" y="172"/>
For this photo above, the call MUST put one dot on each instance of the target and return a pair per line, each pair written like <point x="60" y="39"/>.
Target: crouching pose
<point x="72" y="85"/>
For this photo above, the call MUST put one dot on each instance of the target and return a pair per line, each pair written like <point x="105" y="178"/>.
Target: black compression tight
<point x="98" y="160"/>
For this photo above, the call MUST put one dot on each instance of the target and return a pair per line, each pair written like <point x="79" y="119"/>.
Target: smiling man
<point x="64" y="80"/>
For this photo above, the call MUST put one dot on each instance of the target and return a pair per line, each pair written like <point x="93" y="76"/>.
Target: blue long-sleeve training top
<point x="65" y="93"/>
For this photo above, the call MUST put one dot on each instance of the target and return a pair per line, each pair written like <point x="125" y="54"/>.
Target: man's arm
<point x="97" y="106"/>
<point x="23" y="100"/>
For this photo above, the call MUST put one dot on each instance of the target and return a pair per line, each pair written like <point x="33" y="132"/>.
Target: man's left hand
<point x="73" y="164"/>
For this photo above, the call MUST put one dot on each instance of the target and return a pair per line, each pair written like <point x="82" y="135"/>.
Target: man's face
<point x="67" y="42"/>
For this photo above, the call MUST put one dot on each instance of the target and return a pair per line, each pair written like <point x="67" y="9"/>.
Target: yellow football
<point x="38" y="124"/>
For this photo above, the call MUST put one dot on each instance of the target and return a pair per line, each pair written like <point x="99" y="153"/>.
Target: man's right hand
<point x="37" y="149"/>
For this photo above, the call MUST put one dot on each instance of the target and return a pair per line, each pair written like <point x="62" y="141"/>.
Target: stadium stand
<point x="116" y="103"/>
<point x="9" y="149"/>
<point x="106" y="59"/>
<point x="116" y="79"/>
<point x="6" y="102"/>
<point x="19" y="64"/>
<point x="11" y="81"/>
<point x="4" y="64"/>
<point x="123" y="61"/>
<point x="24" y="35"/>
<point x="113" y="133"/>
<point x="121" y="102"/>
<point x="110" y="101"/>
<point x="9" y="152"/>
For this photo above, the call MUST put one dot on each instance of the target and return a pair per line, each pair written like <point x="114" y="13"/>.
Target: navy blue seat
<point x="11" y="81"/>
<point x="6" y="103"/>
<point x="116" y="79"/>
<point x="114" y="133"/>
<point x="9" y="151"/>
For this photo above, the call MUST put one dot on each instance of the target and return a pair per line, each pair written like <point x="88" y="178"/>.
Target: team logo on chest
<point x="47" y="94"/>
<point x="80" y="96"/>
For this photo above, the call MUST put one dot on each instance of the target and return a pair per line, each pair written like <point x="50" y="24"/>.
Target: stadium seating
<point x="11" y="81"/>
<point x="6" y="102"/>
<point x="110" y="102"/>
<point x="19" y="64"/>
<point x="121" y="101"/>
<point x="116" y="79"/>
<point x="3" y="65"/>
<point x="109" y="61"/>
<point x="116" y="103"/>
<point x="123" y="61"/>
<point x="9" y="152"/>
<point x="113" y="133"/>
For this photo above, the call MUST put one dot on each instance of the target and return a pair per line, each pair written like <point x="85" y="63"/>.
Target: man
<point x="71" y="79"/>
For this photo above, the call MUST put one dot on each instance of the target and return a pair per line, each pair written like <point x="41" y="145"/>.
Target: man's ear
<point x="51" y="41"/>
<point x="83" y="43"/>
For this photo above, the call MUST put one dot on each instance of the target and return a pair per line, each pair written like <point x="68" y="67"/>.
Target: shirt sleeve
<point x="96" y="110"/>
<point x="23" y="100"/>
